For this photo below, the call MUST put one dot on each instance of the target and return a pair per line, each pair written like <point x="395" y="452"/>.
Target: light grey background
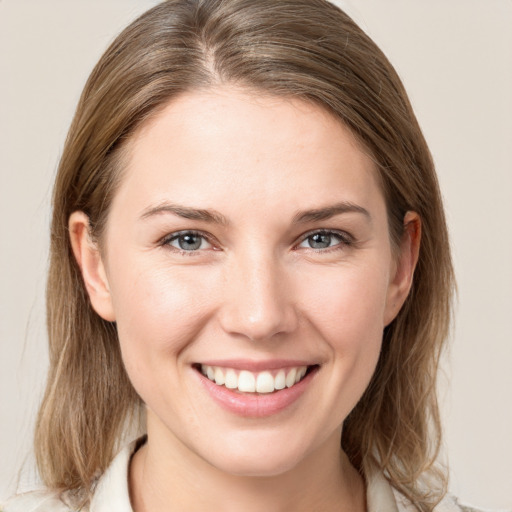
<point x="455" y="58"/>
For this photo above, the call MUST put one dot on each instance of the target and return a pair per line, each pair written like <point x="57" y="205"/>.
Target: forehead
<point x="233" y="112"/>
<point x="204" y="146"/>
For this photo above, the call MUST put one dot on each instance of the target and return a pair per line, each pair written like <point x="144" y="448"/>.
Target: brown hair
<point x="308" y="49"/>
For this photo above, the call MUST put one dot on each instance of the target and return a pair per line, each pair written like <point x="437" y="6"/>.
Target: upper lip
<point x="257" y="366"/>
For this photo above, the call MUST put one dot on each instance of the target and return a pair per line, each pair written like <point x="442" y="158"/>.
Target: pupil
<point x="189" y="242"/>
<point x="320" y="241"/>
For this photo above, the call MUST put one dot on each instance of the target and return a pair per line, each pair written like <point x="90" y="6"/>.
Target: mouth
<point x="250" y="382"/>
<point x="255" y="389"/>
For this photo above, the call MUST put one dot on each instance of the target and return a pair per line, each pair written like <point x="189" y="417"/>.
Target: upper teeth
<point x="249" y="382"/>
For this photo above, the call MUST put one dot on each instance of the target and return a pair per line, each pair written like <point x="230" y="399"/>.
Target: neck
<point x="166" y="476"/>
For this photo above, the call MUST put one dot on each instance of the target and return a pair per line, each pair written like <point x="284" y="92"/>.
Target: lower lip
<point x="256" y="405"/>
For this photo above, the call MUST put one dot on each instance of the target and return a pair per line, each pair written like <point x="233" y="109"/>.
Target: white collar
<point x="112" y="493"/>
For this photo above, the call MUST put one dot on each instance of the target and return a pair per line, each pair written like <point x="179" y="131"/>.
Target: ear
<point x="88" y="257"/>
<point x="403" y="272"/>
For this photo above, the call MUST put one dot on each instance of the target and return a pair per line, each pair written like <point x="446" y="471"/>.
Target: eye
<point x="324" y="240"/>
<point x="188" y="241"/>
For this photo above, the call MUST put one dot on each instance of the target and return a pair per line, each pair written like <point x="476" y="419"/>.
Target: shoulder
<point x="451" y="504"/>
<point x="37" y="501"/>
<point x="111" y="492"/>
<point x="448" y="504"/>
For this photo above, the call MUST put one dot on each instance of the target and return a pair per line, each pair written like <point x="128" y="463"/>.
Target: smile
<point x="246" y="381"/>
<point x="255" y="389"/>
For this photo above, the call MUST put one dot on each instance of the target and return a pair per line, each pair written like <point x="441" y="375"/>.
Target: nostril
<point x="260" y="326"/>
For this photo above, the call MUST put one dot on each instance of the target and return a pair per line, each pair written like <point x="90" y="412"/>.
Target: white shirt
<point x="112" y="495"/>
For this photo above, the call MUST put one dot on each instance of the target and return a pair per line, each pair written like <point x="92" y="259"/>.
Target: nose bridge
<point x="257" y="302"/>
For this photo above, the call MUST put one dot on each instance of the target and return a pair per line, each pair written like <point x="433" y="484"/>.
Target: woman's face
<point x="248" y="241"/>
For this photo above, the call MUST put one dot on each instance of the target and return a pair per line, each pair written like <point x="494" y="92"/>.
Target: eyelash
<point x="344" y="240"/>
<point x="166" y="241"/>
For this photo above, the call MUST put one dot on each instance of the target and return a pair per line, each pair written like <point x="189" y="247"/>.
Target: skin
<point x="255" y="290"/>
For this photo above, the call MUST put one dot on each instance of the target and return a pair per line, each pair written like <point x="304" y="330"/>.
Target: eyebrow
<point x="186" y="212"/>
<point x="214" y="217"/>
<point x="327" y="212"/>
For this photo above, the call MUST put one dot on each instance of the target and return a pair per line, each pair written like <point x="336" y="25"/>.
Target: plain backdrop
<point x="455" y="57"/>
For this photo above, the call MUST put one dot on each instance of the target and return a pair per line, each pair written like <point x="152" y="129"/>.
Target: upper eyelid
<point x="176" y="234"/>
<point x="338" y="232"/>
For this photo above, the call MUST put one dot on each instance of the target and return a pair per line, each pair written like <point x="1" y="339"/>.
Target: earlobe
<point x="88" y="257"/>
<point x="402" y="278"/>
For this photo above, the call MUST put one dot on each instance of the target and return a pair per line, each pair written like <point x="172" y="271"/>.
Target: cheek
<point x="347" y="304"/>
<point x="158" y="311"/>
<point x="345" y="310"/>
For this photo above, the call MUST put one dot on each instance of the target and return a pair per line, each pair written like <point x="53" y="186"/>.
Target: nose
<point x="258" y="299"/>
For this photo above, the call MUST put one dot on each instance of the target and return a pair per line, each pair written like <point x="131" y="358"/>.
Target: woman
<point x="250" y="258"/>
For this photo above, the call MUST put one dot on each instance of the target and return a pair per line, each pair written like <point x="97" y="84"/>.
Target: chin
<point x="257" y="465"/>
<point x="260" y="458"/>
